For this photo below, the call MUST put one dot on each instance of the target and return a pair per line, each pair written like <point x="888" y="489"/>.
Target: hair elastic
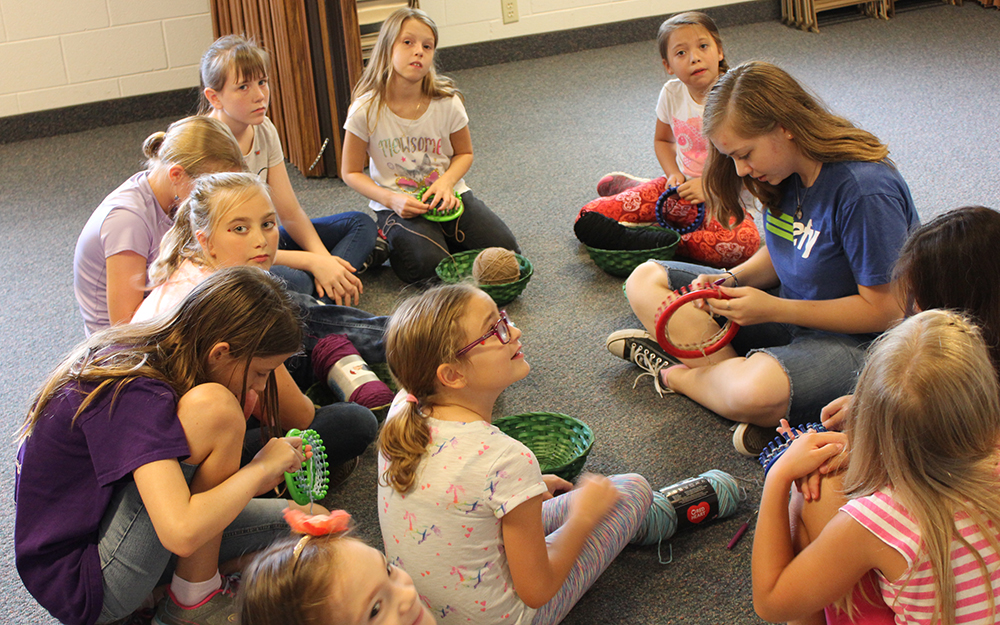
<point x="410" y="397"/>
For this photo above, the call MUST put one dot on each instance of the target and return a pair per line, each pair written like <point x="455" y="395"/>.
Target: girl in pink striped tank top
<point x="923" y="508"/>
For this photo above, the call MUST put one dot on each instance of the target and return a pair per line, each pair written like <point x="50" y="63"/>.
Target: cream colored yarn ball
<point x="495" y="265"/>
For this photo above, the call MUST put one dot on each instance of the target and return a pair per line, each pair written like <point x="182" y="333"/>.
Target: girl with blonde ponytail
<point x="466" y="504"/>
<point x="122" y="237"/>
<point x="229" y="221"/>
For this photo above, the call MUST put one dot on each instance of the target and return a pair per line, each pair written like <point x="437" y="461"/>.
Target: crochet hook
<point x="739" y="533"/>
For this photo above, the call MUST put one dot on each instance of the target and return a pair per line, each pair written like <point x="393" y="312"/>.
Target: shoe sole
<point x="615" y="343"/>
<point x="738" y="441"/>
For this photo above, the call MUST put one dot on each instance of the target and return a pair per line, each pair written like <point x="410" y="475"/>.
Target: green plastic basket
<point x="458" y="268"/>
<point x="620" y="263"/>
<point x="560" y="442"/>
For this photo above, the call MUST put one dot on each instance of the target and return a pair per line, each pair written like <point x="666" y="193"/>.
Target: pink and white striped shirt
<point x="913" y="599"/>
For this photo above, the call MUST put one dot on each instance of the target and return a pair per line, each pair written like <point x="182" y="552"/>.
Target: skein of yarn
<point x="495" y="265"/>
<point x="689" y="503"/>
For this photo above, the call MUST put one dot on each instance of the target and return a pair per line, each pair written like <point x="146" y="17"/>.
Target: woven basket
<point x="620" y="263"/>
<point x="560" y="442"/>
<point x="458" y="268"/>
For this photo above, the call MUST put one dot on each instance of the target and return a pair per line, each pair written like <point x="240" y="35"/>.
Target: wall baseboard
<point x="183" y="102"/>
<point x="591" y="37"/>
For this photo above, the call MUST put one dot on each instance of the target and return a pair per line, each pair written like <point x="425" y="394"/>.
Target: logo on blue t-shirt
<point x="802" y="236"/>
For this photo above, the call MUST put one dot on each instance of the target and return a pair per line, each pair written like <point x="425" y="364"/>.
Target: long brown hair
<point x="755" y="98"/>
<point x="951" y="262"/>
<point x="375" y="79"/>
<point x="925" y="421"/>
<point x="422" y="334"/>
<point x="243" y="306"/>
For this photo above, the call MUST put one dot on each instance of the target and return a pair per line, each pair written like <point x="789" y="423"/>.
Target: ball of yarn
<point x="495" y="265"/>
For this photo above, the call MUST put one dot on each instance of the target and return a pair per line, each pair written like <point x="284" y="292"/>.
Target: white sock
<point x="189" y="594"/>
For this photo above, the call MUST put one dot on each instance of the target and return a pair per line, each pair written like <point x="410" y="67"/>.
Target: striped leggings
<point x="604" y="544"/>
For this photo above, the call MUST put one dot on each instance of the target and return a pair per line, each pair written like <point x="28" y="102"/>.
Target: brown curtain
<point x="303" y="76"/>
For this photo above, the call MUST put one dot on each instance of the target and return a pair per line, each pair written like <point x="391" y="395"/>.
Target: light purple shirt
<point x="128" y="220"/>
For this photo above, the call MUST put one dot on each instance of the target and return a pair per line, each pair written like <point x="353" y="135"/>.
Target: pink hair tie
<point x="411" y="398"/>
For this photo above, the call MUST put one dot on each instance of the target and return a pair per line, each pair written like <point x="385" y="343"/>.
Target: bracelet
<point x="732" y="275"/>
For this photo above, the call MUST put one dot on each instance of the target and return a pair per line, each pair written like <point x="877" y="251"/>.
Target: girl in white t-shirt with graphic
<point x="464" y="506"/>
<point x="409" y="126"/>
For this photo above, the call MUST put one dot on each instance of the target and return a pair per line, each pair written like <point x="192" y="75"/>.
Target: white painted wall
<point x="56" y="53"/>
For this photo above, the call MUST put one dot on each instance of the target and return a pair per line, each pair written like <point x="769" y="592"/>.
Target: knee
<point x="761" y="399"/>
<point x="648" y="274"/>
<point x="636" y="488"/>
<point x="347" y="429"/>
<point x="363" y="225"/>
<point x="212" y="418"/>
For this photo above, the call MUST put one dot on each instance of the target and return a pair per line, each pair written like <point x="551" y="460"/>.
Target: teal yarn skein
<point x="662" y="521"/>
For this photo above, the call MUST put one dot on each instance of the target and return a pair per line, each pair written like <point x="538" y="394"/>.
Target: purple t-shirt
<point x="65" y="480"/>
<point x="128" y="220"/>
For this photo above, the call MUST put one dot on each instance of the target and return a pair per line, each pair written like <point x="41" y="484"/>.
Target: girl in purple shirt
<point x="131" y="453"/>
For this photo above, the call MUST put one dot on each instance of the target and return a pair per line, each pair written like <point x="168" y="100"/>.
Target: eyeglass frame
<point x="493" y="331"/>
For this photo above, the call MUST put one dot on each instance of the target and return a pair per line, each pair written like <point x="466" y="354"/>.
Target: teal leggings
<point x="604" y="544"/>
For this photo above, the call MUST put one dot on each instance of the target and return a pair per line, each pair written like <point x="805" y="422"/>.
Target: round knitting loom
<point x="438" y="214"/>
<point x="709" y="345"/>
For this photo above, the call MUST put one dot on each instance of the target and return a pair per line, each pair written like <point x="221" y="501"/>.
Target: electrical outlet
<point x="509" y="10"/>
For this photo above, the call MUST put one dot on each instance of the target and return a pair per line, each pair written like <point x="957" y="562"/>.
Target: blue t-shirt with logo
<point x="853" y="222"/>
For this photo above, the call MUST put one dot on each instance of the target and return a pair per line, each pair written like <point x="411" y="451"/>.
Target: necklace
<point x="798" y="201"/>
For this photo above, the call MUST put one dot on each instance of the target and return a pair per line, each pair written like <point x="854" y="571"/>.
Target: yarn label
<point x="694" y="501"/>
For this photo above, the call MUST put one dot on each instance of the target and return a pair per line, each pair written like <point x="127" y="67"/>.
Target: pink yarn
<point x="331" y="349"/>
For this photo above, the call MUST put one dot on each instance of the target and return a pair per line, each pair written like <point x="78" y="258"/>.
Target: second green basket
<point x="560" y="442"/>
<point x="458" y="267"/>
<point x="620" y="263"/>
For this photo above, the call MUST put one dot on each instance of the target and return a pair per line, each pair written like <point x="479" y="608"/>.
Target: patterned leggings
<point x="604" y="544"/>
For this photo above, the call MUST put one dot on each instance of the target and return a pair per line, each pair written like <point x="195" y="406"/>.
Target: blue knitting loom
<point x="780" y="443"/>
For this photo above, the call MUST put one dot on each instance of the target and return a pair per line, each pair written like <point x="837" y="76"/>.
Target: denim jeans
<point x="365" y="330"/>
<point x="821" y="366"/>
<point x="349" y="235"/>
<point x="134" y="562"/>
<point x="417" y="245"/>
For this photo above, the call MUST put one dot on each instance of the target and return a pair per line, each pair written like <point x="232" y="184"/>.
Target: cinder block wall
<point x="57" y="53"/>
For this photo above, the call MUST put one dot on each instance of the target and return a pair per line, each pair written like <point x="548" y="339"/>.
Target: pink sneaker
<point x="616" y="182"/>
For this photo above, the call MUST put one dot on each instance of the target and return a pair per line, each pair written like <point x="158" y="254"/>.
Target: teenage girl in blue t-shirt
<point x="837" y="213"/>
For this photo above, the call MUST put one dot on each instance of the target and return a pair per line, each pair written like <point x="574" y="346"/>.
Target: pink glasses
<point x="501" y="329"/>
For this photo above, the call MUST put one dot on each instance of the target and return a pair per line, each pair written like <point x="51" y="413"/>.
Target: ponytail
<point x="422" y="334"/>
<point x="403" y="441"/>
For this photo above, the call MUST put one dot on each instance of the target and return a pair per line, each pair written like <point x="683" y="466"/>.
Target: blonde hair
<point x="755" y="98"/>
<point x="212" y="198"/>
<point x="232" y="52"/>
<point x="925" y="420"/>
<point x="198" y="144"/>
<point x="280" y="587"/>
<point x="375" y="79"/>
<point x="245" y="307"/>
<point x="689" y="18"/>
<point x="424" y="333"/>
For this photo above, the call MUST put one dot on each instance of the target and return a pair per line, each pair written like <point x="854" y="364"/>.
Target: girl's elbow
<point x="768" y="611"/>
<point x="180" y="542"/>
<point x="534" y="598"/>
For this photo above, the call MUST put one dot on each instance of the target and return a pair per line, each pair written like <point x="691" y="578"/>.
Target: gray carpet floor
<point x="544" y="132"/>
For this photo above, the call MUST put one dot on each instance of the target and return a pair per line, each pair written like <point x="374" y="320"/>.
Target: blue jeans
<point x="417" y="245"/>
<point x="134" y="562"/>
<point x="349" y="235"/>
<point x="365" y="330"/>
<point x="821" y="366"/>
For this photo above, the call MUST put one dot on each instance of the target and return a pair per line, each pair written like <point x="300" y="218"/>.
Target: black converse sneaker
<point x="641" y="349"/>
